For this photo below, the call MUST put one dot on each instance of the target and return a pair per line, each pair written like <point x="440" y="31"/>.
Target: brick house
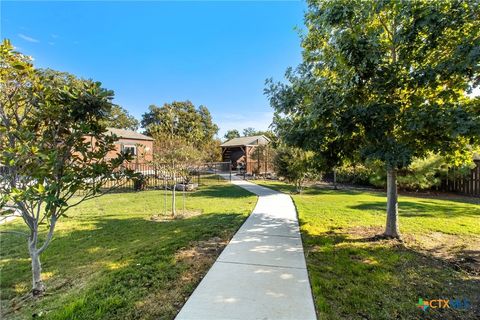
<point x="140" y="145"/>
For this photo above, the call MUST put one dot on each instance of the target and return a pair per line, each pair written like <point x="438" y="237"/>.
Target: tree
<point x="384" y="80"/>
<point x="231" y="134"/>
<point x="181" y="119"/>
<point x="212" y="152"/>
<point x="120" y="118"/>
<point x="53" y="144"/>
<point x="247" y="132"/>
<point x="295" y="165"/>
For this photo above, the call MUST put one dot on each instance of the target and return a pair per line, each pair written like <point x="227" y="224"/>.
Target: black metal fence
<point x="260" y="168"/>
<point x="160" y="176"/>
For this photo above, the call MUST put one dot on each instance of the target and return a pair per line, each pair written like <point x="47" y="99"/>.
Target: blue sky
<point x="213" y="53"/>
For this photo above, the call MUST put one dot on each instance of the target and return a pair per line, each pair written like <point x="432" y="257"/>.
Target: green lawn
<point x="108" y="260"/>
<point x="353" y="277"/>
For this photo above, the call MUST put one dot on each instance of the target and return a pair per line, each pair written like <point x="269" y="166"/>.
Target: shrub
<point x="295" y="165"/>
<point x="140" y="182"/>
<point x="355" y="174"/>
<point x="421" y="174"/>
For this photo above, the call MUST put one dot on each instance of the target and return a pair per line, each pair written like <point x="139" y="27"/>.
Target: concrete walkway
<point x="261" y="274"/>
<point x="9" y="217"/>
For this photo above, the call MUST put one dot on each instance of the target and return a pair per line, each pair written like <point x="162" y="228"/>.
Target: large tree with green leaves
<point x="181" y="119"/>
<point x="53" y="143"/>
<point x="384" y="80"/>
<point x="119" y="118"/>
<point x="116" y="116"/>
<point x="231" y="134"/>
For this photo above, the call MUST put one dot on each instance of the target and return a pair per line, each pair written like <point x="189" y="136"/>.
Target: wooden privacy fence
<point x="468" y="184"/>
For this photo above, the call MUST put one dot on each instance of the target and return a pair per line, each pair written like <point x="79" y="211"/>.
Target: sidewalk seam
<point x="260" y="265"/>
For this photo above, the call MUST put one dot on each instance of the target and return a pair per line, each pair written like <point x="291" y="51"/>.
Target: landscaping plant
<point x="53" y="144"/>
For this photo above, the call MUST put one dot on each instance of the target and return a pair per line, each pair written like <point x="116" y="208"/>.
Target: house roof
<point x="246" y="141"/>
<point x="128" y="134"/>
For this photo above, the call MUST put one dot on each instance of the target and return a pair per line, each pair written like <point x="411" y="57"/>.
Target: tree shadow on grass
<point x="215" y="191"/>
<point x="364" y="279"/>
<point x="423" y="209"/>
<point x="312" y="190"/>
<point x="108" y="271"/>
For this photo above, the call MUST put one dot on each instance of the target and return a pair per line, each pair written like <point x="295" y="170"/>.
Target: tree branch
<point x="53" y="221"/>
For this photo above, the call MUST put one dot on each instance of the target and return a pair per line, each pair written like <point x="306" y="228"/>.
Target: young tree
<point x="295" y="165"/>
<point x="52" y="145"/>
<point x="231" y="134"/>
<point x="384" y="80"/>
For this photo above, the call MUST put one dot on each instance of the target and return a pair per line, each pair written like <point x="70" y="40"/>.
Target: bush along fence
<point x="154" y="176"/>
<point x="468" y="184"/>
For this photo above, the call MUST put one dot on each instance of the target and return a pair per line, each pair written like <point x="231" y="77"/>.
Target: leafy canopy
<point x="53" y="141"/>
<point x="295" y="165"/>
<point x="182" y="133"/>
<point x="120" y="118"/>
<point x="384" y="80"/>
<point x="181" y="120"/>
<point x="231" y="134"/>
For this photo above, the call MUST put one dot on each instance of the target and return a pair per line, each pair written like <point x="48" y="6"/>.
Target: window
<point x="130" y="149"/>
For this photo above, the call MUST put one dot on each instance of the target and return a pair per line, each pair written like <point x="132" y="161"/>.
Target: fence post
<point x="334" y="178"/>
<point x="230" y="169"/>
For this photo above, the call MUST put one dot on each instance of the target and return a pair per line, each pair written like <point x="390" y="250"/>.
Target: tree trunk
<point x="38" y="287"/>
<point x="184" y="187"/>
<point x="391" y="230"/>
<point x="173" y="193"/>
<point x="335" y="179"/>
<point x="37" y="284"/>
<point x="298" y="185"/>
<point x="166" y="184"/>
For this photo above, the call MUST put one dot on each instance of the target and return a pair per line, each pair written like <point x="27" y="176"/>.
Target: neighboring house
<point x="240" y="151"/>
<point x="140" y="145"/>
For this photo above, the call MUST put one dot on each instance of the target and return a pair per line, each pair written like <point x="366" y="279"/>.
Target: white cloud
<point x="27" y="38"/>
<point x="51" y="43"/>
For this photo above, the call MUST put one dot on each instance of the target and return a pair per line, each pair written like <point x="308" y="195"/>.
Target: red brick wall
<point x="144" y="149"/>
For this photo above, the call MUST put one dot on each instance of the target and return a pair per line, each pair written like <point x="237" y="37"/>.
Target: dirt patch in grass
<point x="383" y="279"/>
<point x="181" y="215"/>
<point x="195" y="261"/>
<point x="460" y="252"/>
<point x="463" y="253"/>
